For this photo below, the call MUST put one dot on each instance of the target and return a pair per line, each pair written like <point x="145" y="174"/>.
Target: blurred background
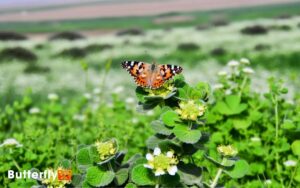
<point x="72" y="47"/>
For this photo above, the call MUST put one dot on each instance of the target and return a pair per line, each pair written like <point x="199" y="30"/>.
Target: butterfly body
<point x="151" y="76"/>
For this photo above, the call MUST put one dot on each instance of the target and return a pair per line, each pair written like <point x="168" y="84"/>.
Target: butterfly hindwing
<point x="168" y="71"/>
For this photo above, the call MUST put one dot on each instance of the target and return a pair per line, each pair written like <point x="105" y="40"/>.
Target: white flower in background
<point x="134" y="120"/>
<point x="255" y="139"/>
<point x="118" y="89"/>
<point x="150" y="113"/>
<point x="87" y="95"/>
<point x="228" y="92"/>
<point x="290" y="163"/>
<point x="34" y="110"/>
<point x="248" y="70"/>
<point x="53" y="97"/>
<point x="11" y="142"/>
<point x="79" y="117"/>
<point x="233" y="63"/>
<point x="268" y="181"/>
<point x="245" y="61"/>
<point x="97" y="91"/>
<point x="218" y="86"/>
<point x="161" y="163"/>
<point x="129" y="100"/>
<point x="222" y="73"/>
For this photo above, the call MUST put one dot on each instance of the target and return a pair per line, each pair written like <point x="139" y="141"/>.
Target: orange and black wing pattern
<point x="137" y="70"/>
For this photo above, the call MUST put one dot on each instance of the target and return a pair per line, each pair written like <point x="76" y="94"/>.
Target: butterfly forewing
<point x="150" y="75"/>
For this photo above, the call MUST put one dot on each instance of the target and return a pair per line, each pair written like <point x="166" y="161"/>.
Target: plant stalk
<point x="220" y="170"/>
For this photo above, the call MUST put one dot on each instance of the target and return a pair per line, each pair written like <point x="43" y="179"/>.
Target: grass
<point x="146" y="22"/>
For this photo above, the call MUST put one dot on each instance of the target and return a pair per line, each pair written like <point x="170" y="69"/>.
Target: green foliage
<point x="142" y="176"/>
<point x="97" y="177"/>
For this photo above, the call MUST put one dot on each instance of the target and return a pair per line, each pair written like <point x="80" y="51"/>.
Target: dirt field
<point x="119" y="9"/>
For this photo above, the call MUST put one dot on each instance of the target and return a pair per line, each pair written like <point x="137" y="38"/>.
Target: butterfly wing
<point x="164" y="73"/>
<point x="138" y="71"/>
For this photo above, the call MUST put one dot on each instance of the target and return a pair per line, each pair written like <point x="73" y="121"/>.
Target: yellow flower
<point x="52" y="181"/>
<point x="190" y="110"/>
<point x="228" y="151"/>
<point x="163" y="91"/>
<point x="162" y="163"/>
<point x="106" y="149"/>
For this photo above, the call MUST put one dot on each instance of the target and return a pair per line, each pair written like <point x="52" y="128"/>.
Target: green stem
<point x="276" y="117"/>
<point x="158" y="182"/>
<point x="294" y="173"/>
<point x="243" y="85"/>
<point x="220" y="170"/>
<point x="17" y="165"/>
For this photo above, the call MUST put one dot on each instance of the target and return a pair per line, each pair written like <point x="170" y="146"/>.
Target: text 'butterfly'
<point x="151" y="76"/>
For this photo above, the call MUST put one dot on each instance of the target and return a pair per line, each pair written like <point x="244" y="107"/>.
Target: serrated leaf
<point x="160" y="128"/>
<point x="231" y="105"/>
<point x="94" y="155"/>
<point x="190" y="174"/>
<point x="239" y="170"/>
<point x="170" y="118"/>
<point x="76" y="180"/>
<point x="98" y="177"/>
<point x="142" y="176"/>
<point x="130" y="185"/>
<point x="186" y="135"/>
<point x="83" y="157"/>
<point x="121" y="176"/>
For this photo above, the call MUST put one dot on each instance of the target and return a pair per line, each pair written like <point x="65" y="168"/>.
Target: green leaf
<point x="98" y="177"/>
<point x="296" y="147"/>
<point x="76" y="180"/>
<point x="130" y="185"/>
<point x="160" y="128"/>
<point x="231" y="105"/>
<point x="186" y="135"/>
<point x="241" y="123"/>
<point x="66" y="164"/>
<point x="239" y="170"/>
<point x="288" y="125"/>
<point x="190" y="174"/>
<point x="94" y="155"/>
<point x="142" y="176"/>
<point x="121" y="176"/>
<point x="169" y="118"/>
<point x="170" y="181"/>
<point x="83" y="157"/>
<point x="154" y="141"/>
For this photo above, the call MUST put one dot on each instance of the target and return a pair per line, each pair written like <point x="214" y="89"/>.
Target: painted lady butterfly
<point x="151" y="76"/>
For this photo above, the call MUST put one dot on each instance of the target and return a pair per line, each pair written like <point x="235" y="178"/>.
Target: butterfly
<point x="151" y="76"/>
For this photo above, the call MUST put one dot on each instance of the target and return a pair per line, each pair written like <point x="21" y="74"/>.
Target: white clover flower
<point x="218" y="86"/>
<point x="290" y="163"/>
<point x="222" y="73"/>
<point x="118" y="90"/>
<point x="248" y="70"/>
<point x="228" y="92"/>
<point x="172" y="170"/>
<point x="87" y="95"/>
<point x="157" y="151"/>
<point x="53" y="97"/>
<point x="79" y="117"/>
<point x="97" y="91"/>
<point x="11" y="142"/>
<point x="161" y="163"/>
<point x="233" y="63"/>
<point x="129" y="100"/>
<point x="34" y="110"/>
<point x="255" y="139"/>
<point x="268" y="181"/>
<point x="245" y="61"/>
<point x="228" y="150"/>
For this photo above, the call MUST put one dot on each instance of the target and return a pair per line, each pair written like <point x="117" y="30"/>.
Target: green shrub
<point x="67" y="36"/>
<point x="9" y="35"/>
<point x="17" y="53"/>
